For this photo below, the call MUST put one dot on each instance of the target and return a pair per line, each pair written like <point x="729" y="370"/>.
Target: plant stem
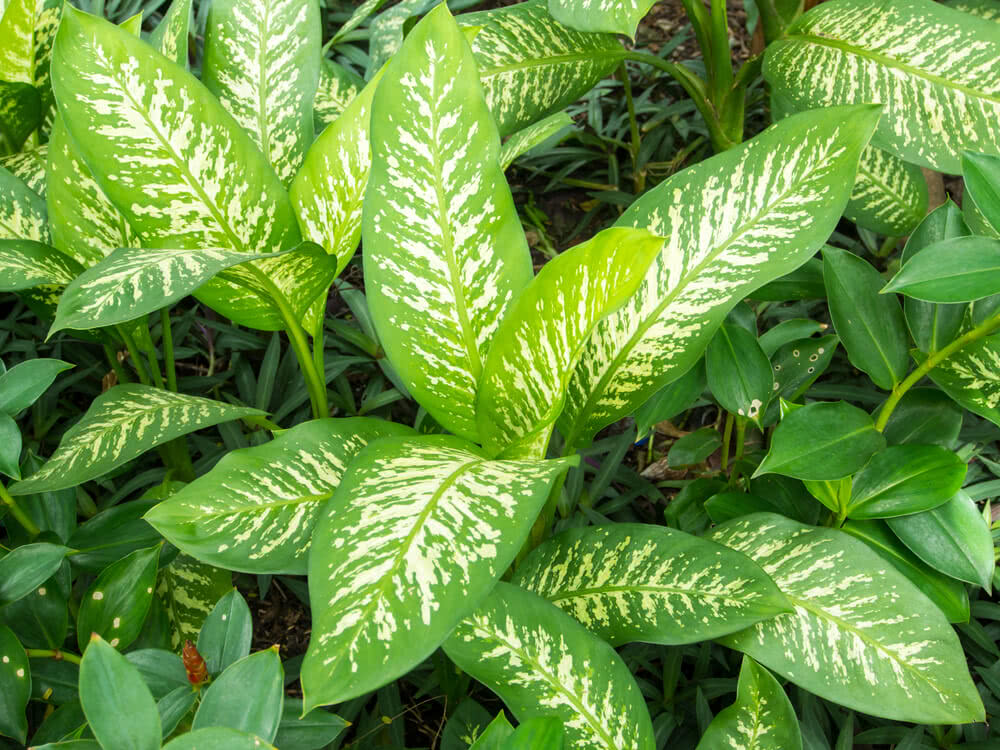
<point x="167" y="336"/>
<point x="49" y="653"/>
<point x="741" y="435"/>
<point x="116" y="366"/>
<point x="933" y="360"/>
<point x="19" y="515"/>
<point x="638" y="176"/>
<point x="318" y="349"/>
<point x="727" y="436"/>
<point x="887" y="247"/>
<point x="133" y="353"/>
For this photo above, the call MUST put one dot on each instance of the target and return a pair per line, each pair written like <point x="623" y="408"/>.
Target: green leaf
<point x="987" y="9"/>
<point x="467" y="723"/>
<point x="122" y="423"/>
<point x="906" y="60"/>
<point x="411" y="541"/>
<point x="947" y="593"/>
<point x="671" y="400"/>
<point x="203" y="181"/>
<point x="20" y="115"/>
<point x="218" y="738"/>
<point x="116" y="604"/>
<point x="170" y="36"/>
<point x="10" y="447"/>
<point x="41" y="618"/>
<point x="952" y="538"/>
<point x="22" y="211"/>
<point x="541" y="662"/>
<point x="961" y="269"/>
<point x="119" y="708"/>
<point x="547" y="329"/>
<point x="822" y="441"/>
<point x="771" y="204"/>
<point x="29" y="167"/>
<point x="256" y="509"/>
<point x="788" y="331"/>
<point x="188" y="590"/>
<point x="247" y="696"/>
<point x="889" y="197"/>
<point x="924" y="415"/>
<point x="161" y="670"/>
<point x="174" y="706"/>
<point x="112" y="534"/>
<point x="337" y="88"/>
<point x="531" y="136"/>
<point x="694" y="447"/>
<point x="25" y="264"/>
<point x="635" y="582"/>
<point x="971" y="376"/>
<point x="539" y="733"/>
<point x="861" y="635"/>
<point x="27" y="27"/>
<point x="762" y="718"/>
<point x="594" y="15"/>
<point x="22" y="384"/>
<point x="870" y="325"/>
<point x="739" y="373"/>
<point x="495" y="735"/>
<point x="903" y="479"/>
<point x="262" y="61"/>
<point x="796" y="367"/>
<point x="26" y="568"/>
<point x="982" y="179"/>
<point x="15" y="686"/>
<point x="532" y="66"/>
<point x="225" y="637"/>
<point x="312" y="731"/>
<point x="806" y="282"/>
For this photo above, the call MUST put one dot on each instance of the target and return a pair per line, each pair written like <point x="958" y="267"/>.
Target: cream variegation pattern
<point x="25" y="264"/>
<point x="445" y="253"/>
<point x="28" y="167"/>
<point x="416" y="534"/>
<point x="935" y="70"/>
<point x="987" y="9"/>
<point x="171" y="35"/>
<point x="637" y="582"/>
<point x="188" y="589"/>
<point x="121" y="424"/>
<point x="543" y="663"/>
<point x="532" y="66"/>
<point x="22" y="211"/>
<point x="861" y="634"/>
<point x="889" y="197"/>
<point x="256" y="509"/>
<point x="531" y="136"/>
<point x="732" y="223"/>
<point x="27" y="28"/>
<point x="543" y="335"/>
<point x="336" y="90"/>
<point x="262" y="61"/>
<point x="612" y="16"/>
<point x="971" y="376"/>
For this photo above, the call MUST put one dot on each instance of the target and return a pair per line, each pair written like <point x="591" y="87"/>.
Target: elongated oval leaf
<point x="226" y="634"/>
<point x="248" y="696"/>
<point x="924" y="415"/>
<point x="22" y="211"/>
<point x="739" y="373"/>
<point x="25" y="264"/>
<point x="981" y="173"/>
<point x="971" y="376"/>
<point x="170" y="36"/>
<point x="526" y="139"/>
<point x="116" y="604"/>
<point x="595" y="15"/>
<point x="762" y="718"/>
<point x="122" y="423"/>
<point x="541" y="662"/>
<point x="218" y="738"/>
<point x="22" y="384"/>
<point x="15" y="686"/>
<point x="262" y="61"/>
<point x="733" y="222"/>
<point x="902" y="54"/>
<point x="337" y="88"/>
<point x="29" y="167"/>
<point x="410" y="541"/>
<point x="256" y="509"/>
<point x="444" y="250"/>
<point x="26" y="568"/>
<point x="961" y="269"/>
<point x="861" y="635"/>
<point x="889" y="197"/>
<point x="633" y="582"/>
<point x="903" y="479"/>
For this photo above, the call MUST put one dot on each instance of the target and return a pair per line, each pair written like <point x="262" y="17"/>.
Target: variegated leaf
<point x="170" y="36"/>
<point x="986" y="9"/>
<point x="188" y="590"/>
<point x="540" y="341"/>
<point x="337" y="88"/>
<point x="415" y="536"/>
<point x="25" y="264"/>
<point x="121" y="424"/>
<point x="635" y="582"/>
<point x="762" y="718"/>
<point x="262" y="61"/>
<point x="358" y="17"/>
<point x="22" y="211"/>
<point x="27" y="27"/>
<point x="256" y="509"/>
<point x="29" y="167"/>
<point x="386" y="31"/>
<point x="611" y="16"/>
<point x="889" y="197"/>
<point x="861" y="635"/>
<point x="531" y="136"/>
<point x="179" y="168"/>
<point x="20" y="115"/>
<point x="971" y="376"/>
<point x="733" y="223"/>
<point x="444" y="250"/>
<point x="532" y="66"/>
<point x="541" y="662"/>
<point x="935" y="70"/>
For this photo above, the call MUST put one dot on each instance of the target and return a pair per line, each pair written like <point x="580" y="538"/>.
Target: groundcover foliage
<point x="711" y="478"/>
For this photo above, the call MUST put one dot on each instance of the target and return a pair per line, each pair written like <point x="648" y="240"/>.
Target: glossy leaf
<point x="40" y="619"/>
<point x="796" y="367"/>
<point x="806" y="282"/>
<point x="636" y="582"/>
<point x="116" y="604"/>
<point x="22" y="211"/>
<point x="313" y="731"/>
<point x="861" y="635"/>
<point x="15" y="686"/>
<point x="595" y="15"/>
<point x="739" y="373"/>
<point x="903" y="479"/>
<point x="10" y="447"/>
<point x="526" y="139"/>
<point x="170" y="36"/>
<point x="762" y="718"/>
<point x="734" y="222"/>
<point x="27" y="567"/>
<point x="23" y="384"/>
<point x="444" y="250"/>
<point x="256" y="509"/>
<point x="218" y="738"/>
<point x="226" y="635"/>
<point x="547" y="329"/>
<point x="541" y="662"/>
<point x="788" y="331"/>
<point x="173" y="707"/>
<point x="924" y="415"/>
<point x="986" y="9"/>
<point x="922" y="61"/>
<point x="20" y="115"/>
<point x="25" y="264"/>
<point x="495" y="735"/>
<point x="336" y="89"/>
<point x="112" y="534"/>
<point x="981" y="173"/>
<point x="410" y="541"/>
<point x="188" y="589"/>
<point x="962" y="269"/>
<point x="161" y="670"/>
<point x="971" y="376"/>
<point x="671" y="400"/>
<point x="247" y="696"/>
<point x="29" y="167"/>
<point x="889" y="197"/>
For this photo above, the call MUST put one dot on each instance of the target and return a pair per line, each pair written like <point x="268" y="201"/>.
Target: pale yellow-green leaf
<point x="29" y="167"/>
<point x="22" y="211"/>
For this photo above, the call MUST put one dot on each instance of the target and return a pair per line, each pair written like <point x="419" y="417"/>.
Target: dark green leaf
<point x="695" y="447"/>
<point x="982" y="180"/>
<point x="15" y="685"/>
<point x="788" y="331"/>
<point x="174" y="706"/>
<point x="671" y="400"/>
<point x="739" y="373"/>
<point x="116" y="604"/>
<point x="218" y="738"/>
<point x="26" y="568"/>
<point x="806" y="282"/>
<point x="903" y="479"/>
<point x="315" y="730"/>
<point x="955" y="270"/>
<point x="225" y="637"/>
<point x="247" y="696"/>
<point x="10" y="447"/>
<point x="924" y="415"/>
<point x="21" y="385"/>
<point x="162" y="670"/>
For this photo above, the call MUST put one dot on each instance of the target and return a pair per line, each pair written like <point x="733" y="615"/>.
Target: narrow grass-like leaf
<point x="529" y="137"/>
<point x="410" y="541"/>
<point x="26" y="263"/>
<point x="122" y="423"/>
<point x="116" y="604"/>
<point x="248" y="696"/>
<point x="543" y="663"/>
<point x="170" y="36"/>
<point x="904" y="479"/>
<point x="889" y="197"/>
<point x="620" y="17"/>
<point x="636" y="582"/>
<point x="961" y="269"/>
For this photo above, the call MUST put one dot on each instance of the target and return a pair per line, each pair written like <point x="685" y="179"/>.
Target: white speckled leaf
<point x="971" y="377"/>
<point x="22" y="211"/>
<point x="336" y="89"/>
<point x="27" y="29"/>
<point x="444" y="250"/>
<point x="936" y="71"/>
<point x="25" y="264"/>
<point x="415" y="536"/>
<point x="173" y="161"/>
<point x="889" y="197"/>
<point x="541" y="662"/>
<point x="762" y="718"/>
<point x="861" y="635"/>
<point x="358" y="17"/>
<point x="386" y="31"/>
<point x="29" y="167"/>
<point x="262" y="61"/>
<point x="529" y="137"/>
<point x="733" y="223"/>
<point x="986" y="9"/>
<point x="545" y="332"/>
<point x="635" y="582"/>
<point x="256" y="509"/>
<point x="532" y="66"/>
<point x="188" y="590"/>
<point x="20" y="114"/>
<point x="170" y="36"/>
<point x="612" y="16"/>
<point x="121" y="424"/>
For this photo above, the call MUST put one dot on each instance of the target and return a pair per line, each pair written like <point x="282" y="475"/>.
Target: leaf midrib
<point x="641" y="589"/>
<point x="879" y="182"/>
<point x="820" y="448"/>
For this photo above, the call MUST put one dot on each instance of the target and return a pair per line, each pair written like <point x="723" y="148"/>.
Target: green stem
<point x="133" y="353"/>
<point x="167" y="335"/>
<point x="318" y="350"/>
<point x="741" y="436"/>
<point x="727" y="436"/>
<point x="933" y="360"/>
<point x="638" y="178"/>
<point x="887" y="247"/>
<point x="116" y="366"/>
<point x="50" y="653"/>
<point x="19" y="515"/>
